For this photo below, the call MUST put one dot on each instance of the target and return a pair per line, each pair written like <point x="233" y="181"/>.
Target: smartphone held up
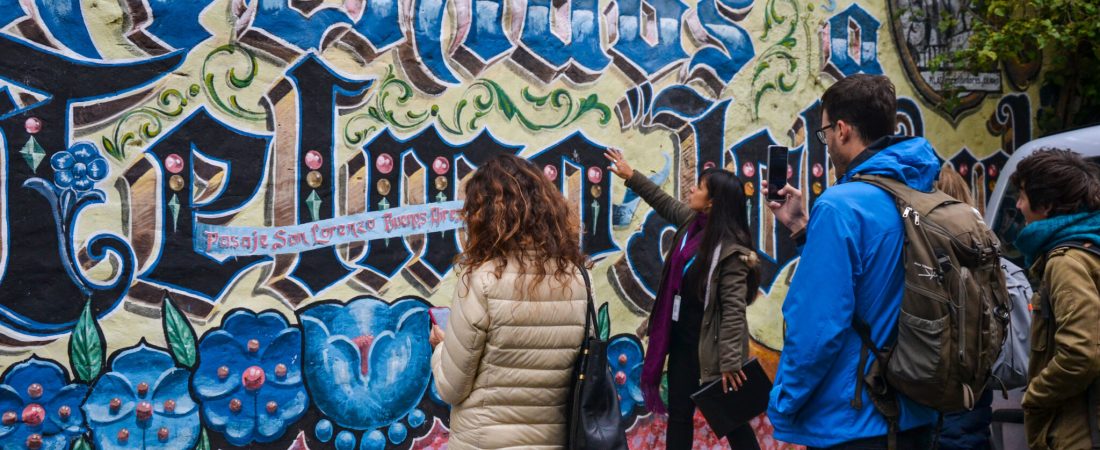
<point x="777" y="172"/>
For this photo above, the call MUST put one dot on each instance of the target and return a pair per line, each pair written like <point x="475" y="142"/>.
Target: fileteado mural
<point x="223" y="221"/>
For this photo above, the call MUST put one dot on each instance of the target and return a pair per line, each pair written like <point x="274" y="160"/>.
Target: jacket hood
<point x="911" y="160"/>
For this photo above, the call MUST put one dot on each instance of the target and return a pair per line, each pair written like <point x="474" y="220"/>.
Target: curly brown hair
<point x="511" y="210"/>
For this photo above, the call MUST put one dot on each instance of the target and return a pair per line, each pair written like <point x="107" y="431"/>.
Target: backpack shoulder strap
<point x="894" y="187"/>
<point x="1086" y="246"/>
<point x="907" y="197"/>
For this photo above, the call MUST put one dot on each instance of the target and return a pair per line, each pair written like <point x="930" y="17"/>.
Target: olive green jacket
<point x="724" y="336"/>
<point x="1065" y="350"/>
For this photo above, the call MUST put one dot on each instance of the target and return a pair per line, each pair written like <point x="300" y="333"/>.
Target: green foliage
<point x="603" y="322"/>
<point x="1065" y="32"/>
<point x="181" y="338"/>
<point x="86" y="346"/>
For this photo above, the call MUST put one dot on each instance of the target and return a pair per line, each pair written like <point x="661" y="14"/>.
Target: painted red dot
<point x="384" y="163"/>
<point x="272" y="407"/>
<point x="33" y="125"/>
<point x="440" y="166"/>
<point x="992" y="171"/>
<point x="10" y="418"/>
<point x="748" y="169"/>
<point x="708" y="165"/>
<point x="280" y="370"/>
<point x="551" y="172"/>
<point x="253" y="378"/>
<point x="115" y="404"/>
<point x="162" y="434"/>
<point x="34" y="390"/>
<point x="790" y="172"/>
<point x="143" y="388"/>
<point x="235" y="405"/>
<point x="314" y="160"/>
<point x="123" y="436"/>
<point x="620" y="378"/>
<point x="223" y="372"/>
<point x="253" y="345"/>
<point x="34" y="414"/>
<point x="34" y="441"/>
<point x="819" y="170"/>
<point x="65" y="412"/>
<point x="595" y="174"/>
<point x="964" y="169"/>
<point x="174" y="163"/>
<point x="622" y="358"/>
<point x="144" y="411"/>
<point x="169" y="406"/>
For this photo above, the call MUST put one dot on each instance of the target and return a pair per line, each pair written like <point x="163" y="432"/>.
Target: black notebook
<point x="725" y="411"/>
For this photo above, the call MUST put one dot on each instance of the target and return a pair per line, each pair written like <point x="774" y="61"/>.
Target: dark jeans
<point x="915" y="439"/>
<point x="683" y="380"/>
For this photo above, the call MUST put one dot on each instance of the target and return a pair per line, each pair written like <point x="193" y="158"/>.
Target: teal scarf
<point x="1040" y="237"/>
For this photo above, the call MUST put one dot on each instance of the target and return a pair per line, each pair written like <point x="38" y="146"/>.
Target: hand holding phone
<point x="777" y="172"/>
<point x="440" y="316"/>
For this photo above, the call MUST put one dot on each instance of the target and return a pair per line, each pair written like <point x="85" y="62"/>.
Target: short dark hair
<point x="867" y="102"/>
<point x="1059" y="179"/>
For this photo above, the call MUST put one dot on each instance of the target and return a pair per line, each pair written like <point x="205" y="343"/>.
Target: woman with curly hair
<point x="698" y="322"/>
<point x="517" y="321"/>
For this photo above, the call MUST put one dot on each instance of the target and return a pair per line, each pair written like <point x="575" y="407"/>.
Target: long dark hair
<point x="727" y="222"/>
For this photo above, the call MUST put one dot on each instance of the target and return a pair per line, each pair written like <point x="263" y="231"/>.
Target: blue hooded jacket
<point x="851" y="264"/>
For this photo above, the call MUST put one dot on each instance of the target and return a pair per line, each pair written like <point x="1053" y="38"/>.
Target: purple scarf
<point x="660" y="319"/>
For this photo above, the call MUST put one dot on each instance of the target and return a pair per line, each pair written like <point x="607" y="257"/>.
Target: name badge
<point x="676" y="308"/>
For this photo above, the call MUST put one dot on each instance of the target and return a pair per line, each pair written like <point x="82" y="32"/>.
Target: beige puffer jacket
<point x="506" y="361"/>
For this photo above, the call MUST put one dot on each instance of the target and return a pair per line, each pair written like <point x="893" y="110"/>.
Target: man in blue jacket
<point x="851" y="266"/>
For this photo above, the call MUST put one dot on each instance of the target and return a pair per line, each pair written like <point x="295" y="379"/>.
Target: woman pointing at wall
<point x="698" y="321"/>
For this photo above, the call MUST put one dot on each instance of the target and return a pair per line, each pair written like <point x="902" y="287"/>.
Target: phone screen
<point x="777" y="171"/>
<point x="440" y="316"/>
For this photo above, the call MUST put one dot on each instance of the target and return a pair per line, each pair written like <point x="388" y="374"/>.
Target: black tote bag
<point x="595" y="422"/>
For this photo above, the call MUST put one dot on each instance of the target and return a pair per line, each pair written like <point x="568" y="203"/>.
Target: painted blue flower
<point x="79" y="167"/>
<point x="249" y="378"/>
<point x="38" y="404"/>
<point x="367" y="363"/>
<point x="143" y="402"/>
<point x="624" y="357"/>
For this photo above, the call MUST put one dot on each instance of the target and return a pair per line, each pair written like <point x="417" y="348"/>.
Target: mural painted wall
<point x="224" y="221"/>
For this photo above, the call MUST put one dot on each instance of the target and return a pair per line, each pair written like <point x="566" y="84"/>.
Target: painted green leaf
<point x="664" y="387"/>
<point x="603" y="322"/>
<point x="110" y="148"/>
<point x="82" y="444"/>
<point x="181" y="339"/>
<point x="86" y="346"/>
<point x="204" y="442"/>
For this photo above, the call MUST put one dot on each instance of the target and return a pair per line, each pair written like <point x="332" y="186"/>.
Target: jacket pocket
<point x="920" y="347"/>
<point x="1038" y="332"/>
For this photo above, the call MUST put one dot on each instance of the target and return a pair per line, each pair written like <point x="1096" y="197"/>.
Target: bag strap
<point x="894" y="187"/>
<point x="1086" y="246"/>
<point x="590" y="308"/>
<point x="884" y="398"/>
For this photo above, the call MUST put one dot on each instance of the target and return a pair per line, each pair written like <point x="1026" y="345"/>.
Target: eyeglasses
<point x="821" y="133"/>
